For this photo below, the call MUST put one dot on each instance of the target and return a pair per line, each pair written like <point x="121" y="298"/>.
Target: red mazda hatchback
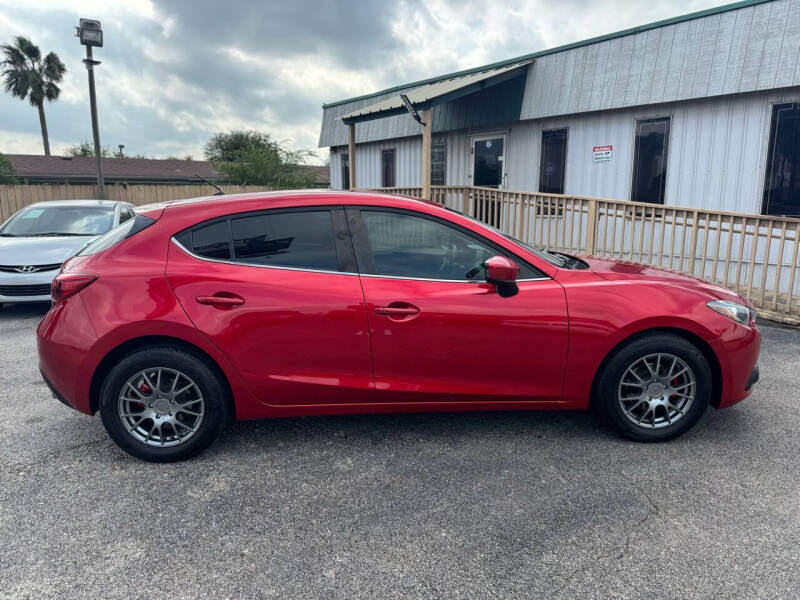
<point x="311" y="303"/>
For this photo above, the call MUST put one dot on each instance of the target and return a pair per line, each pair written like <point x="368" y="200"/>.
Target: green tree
<point x="26" y="74"/>
<point x="85" y="148"/>
<point x="251" y="157"/>
<point x="6" y="170"/>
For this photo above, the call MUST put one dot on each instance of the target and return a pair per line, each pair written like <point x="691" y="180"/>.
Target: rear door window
<point x="303" y="240"/>
<point x="296" y="239"/>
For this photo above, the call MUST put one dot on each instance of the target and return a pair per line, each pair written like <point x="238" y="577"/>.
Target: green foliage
<point x="6" y="170"/>
<point x="27" y="74"/>
<point x="253" y="158"/>
<point x="85" y="149"/>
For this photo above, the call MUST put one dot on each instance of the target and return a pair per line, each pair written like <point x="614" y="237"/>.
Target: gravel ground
<point x="489" y="505"/>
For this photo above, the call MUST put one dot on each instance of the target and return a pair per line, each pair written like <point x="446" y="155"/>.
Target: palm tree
<point x="27" y="74"/>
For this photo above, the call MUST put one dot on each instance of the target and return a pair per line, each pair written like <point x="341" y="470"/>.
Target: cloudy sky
<point x="176" y="71"/>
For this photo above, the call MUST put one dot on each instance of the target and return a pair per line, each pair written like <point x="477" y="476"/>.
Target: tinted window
<point x="388" y="168"/>
<point x="408" y="246"/>
<point x="212" y="241"/>
<point x="438" y="163"/>
<point x="553" y="162"/>
<point x="782" y="184"/>
<point x="125" y="213"/>
<point x="292" y="239"/>
<point x="345" y="172"/>
<point x="650" y="160"/>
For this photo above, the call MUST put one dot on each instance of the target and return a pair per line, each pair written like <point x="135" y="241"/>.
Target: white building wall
<point x="717" y="152"/>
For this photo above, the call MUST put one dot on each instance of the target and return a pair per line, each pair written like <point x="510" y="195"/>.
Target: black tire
<point x="215" y="403"/>
<point x="609" y="384"/>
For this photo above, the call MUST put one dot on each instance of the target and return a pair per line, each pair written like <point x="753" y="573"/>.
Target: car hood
<point x="621" y="270"/>
<point x="40" y="250"/>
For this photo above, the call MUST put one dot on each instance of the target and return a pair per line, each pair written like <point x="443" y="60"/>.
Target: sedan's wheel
<point x="655" y="388"/>
<point x="163" y="404"/>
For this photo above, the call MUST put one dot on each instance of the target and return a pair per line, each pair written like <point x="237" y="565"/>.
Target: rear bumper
<point x="56" y="394"/>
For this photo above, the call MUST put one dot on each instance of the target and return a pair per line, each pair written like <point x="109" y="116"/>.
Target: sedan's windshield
<point x="41" y="221"/>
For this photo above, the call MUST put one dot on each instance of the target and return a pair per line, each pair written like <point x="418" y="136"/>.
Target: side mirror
<point x="502" y="272"/>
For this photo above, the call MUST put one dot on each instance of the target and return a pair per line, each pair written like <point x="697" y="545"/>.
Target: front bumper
<point x="26" y="287"/>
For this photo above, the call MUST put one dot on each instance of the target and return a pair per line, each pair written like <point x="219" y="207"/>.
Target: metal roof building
<point x="701" y="110"/>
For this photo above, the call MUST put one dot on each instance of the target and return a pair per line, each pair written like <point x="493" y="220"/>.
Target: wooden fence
<point x="17" y="196"/>
<point x="754" y="255"/>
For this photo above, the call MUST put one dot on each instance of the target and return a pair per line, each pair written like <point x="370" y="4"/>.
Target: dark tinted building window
<point x="438" y="163"/>
<point x="345" y="172"/>
<point x="388" y="168"/>
<point x="302" y="240"/>
<point x="650" y="160"/>
<point x="553" y="162"/>
<point x="212" y="241"/>
<point x="782" y="182"/>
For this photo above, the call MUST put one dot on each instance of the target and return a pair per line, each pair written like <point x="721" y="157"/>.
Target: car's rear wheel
<point x="163" y="404"/>
<point x="655" y="388"/>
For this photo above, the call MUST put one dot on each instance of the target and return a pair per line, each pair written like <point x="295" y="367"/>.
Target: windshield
<point x="40" y="221"/>
<point x="554" y="259"/>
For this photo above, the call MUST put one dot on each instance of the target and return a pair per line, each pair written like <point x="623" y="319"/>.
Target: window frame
<point x="774" y="109"/>
<point x="384" y="153"/>
<point x="365" y="259"/>
<point x="637" y="122"/>
<point x="443" y="162"/>
<point x="565" y="130"/>
<point x="345" y="160"/>
<point x="343" y="246"/>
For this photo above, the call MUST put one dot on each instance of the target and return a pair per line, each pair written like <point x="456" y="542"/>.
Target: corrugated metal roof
<point x="430" y="94"/>
<point x="655" y="25"/>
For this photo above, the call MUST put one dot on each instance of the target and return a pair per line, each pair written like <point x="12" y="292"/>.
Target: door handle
<point x="220" y="301"/>
<point x="397" y="310"/>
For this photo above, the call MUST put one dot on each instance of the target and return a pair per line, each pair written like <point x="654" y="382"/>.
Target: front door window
<point x="489" y="155"/>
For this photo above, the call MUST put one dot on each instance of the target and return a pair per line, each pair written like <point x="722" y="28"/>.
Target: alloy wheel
<point x="656" y="391"/>
<point x="161" y="407"/>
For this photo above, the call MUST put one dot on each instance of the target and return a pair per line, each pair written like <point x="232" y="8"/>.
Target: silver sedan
<point x="38" y="239"/>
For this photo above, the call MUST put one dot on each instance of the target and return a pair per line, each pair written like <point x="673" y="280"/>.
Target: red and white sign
<point x="602" y="153"/>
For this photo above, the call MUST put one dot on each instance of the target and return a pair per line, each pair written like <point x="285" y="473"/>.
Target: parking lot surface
<point x="486" y="505"/>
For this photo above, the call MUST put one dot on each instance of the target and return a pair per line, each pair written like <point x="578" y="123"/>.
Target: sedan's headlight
<point x="733" y="310"/>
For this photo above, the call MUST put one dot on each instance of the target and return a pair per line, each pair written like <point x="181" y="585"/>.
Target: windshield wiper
<point x="7" y="235"/>
<point x="58" y="234"/>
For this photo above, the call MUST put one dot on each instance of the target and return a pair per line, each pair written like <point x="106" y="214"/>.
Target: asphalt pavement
<point x="484" y="505"/>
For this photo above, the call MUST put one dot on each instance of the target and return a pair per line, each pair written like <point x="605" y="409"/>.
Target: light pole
<point x="91" y="34"/>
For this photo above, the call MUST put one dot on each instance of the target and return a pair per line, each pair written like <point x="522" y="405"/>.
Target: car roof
<point x="109" y="203"/>
<point x="288" y="197"/>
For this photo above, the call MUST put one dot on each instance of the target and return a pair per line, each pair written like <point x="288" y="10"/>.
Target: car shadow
<point x="440" y="427"/>
<point x="24" y="310"/>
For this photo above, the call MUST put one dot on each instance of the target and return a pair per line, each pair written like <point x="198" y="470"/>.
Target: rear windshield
<point x="42" y="221"/>
<point x="116" y="235"/>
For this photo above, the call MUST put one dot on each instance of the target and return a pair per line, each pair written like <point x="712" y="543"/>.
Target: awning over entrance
<point x="431" y="94"/>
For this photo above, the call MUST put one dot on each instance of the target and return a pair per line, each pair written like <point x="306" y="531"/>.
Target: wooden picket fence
<point x="754" y="255"/>
<point x="16" y="196"/>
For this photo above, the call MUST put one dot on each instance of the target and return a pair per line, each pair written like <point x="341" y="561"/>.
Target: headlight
<point x="733" y="310"/>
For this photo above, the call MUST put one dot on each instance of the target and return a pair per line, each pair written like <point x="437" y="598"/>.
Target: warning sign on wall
<point x="602" y="153"/>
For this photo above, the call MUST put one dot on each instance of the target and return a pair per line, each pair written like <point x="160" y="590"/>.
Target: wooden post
<point x="427" y="135"/>
<point x="693" y="241"/>
<point x="591" y="227"/>
<point x="352" y="155"/>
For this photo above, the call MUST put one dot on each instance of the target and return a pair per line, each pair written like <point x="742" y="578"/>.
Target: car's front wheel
<point x="163" y="404"/>
<point x="655" y="388"/>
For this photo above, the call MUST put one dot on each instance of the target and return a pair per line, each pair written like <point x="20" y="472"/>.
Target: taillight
<point x="66" y="285"/>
